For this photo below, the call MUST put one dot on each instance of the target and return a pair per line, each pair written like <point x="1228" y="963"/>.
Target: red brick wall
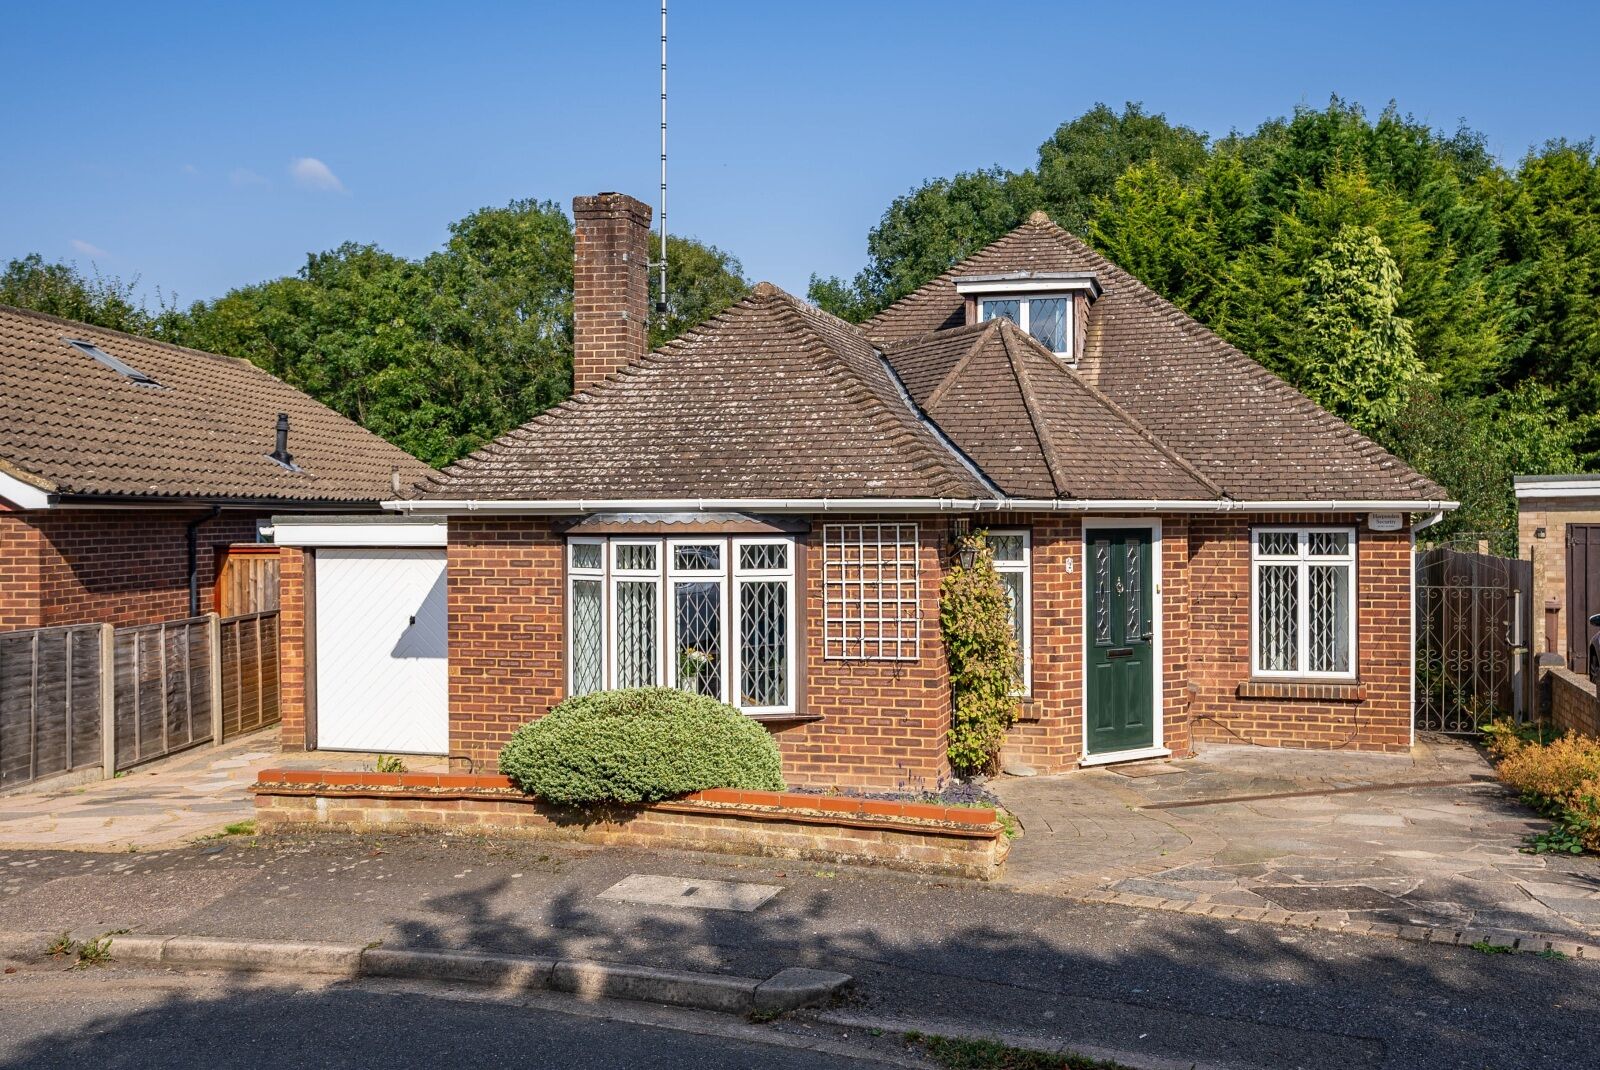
<point x="882" y="724"/>
<point x="292" y="647"/>
<point x="21" y="547"/>
<point x="117" y="566"/>
<point x="507" y="609"/>
<point x="1372" y="714"/>
<point x="610" y="285"/>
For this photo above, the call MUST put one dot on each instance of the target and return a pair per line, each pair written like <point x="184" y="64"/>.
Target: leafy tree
<point x="1082" y="161"/>
<point x="923" y="233"/>
<point x="702" y="280"/>
<point x="439" y="355"/>
<point x="1360" y="360"/>
<point x="62" y="290"/>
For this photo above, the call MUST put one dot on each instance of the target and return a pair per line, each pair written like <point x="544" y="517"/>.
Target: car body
<point x="1594" y="650"/>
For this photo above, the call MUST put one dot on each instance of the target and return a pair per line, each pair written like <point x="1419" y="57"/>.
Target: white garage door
<point x="382" y="671"/>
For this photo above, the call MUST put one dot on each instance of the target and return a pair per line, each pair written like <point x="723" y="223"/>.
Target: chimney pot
<point x="611" y="285"/>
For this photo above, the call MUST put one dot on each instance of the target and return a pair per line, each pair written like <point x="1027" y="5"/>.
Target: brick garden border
<point x="920" y="837"/>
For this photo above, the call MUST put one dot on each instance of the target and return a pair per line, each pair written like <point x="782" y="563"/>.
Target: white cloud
<point x="190" y="169"/>
<point x="243" y="176"/>
<point x="311" y="173"/>
<point x="89" y="249"/>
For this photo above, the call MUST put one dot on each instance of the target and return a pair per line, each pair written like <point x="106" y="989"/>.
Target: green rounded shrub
<point x="640" y="745"/>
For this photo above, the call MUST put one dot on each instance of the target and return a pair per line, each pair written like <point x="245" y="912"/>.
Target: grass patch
<point x="63" y="944"/>
<point x="1492" y="949"/>
<point x="960" y="1053"/>
<point x="241" y="828"/>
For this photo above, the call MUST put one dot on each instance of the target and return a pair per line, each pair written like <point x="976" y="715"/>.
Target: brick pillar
<point x="610" y="285"/>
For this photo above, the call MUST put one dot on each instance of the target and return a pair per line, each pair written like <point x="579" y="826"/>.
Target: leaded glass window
<point x="1006" y="309"/>
<point x="1304" y="594"/>
<point x="645" y="612"/>
<point x="1011" y="551"/>
<point x="1047" y="321"/>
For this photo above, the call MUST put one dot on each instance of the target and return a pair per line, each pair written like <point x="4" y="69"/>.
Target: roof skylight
<point x="127" y="371"/>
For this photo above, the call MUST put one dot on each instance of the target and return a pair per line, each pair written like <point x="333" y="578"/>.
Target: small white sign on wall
<point x="1386" y="521"/>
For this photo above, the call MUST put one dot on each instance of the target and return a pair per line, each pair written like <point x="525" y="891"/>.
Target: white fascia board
<point x="1558" y="488"/>
<point x="24" y="495"/>
<point x="1026" y="285"/>
<point x="574" y="507"/>
<point x="373" y="533"/>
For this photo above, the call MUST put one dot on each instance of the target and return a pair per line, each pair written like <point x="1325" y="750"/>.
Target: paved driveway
<point x="163" y="804"/>
<point x="1429" y="838"/>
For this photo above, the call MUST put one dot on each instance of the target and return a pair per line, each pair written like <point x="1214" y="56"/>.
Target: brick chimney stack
<point x="610" y="285"/>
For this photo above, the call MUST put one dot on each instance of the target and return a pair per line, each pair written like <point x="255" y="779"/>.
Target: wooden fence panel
<point x="249" y="673"/>
<point x="163" y="689"/>
<point x="49" y="702"/>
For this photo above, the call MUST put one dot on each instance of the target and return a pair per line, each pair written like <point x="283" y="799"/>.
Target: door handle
<point x="413" y="623"/>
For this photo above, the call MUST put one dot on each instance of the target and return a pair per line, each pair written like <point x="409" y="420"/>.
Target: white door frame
<point x="1157" y="749"/>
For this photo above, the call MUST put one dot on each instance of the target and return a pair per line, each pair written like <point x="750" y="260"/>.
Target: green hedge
<point x="640" y="745"/>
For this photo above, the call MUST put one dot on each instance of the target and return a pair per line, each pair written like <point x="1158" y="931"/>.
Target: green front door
<point x="1120" y="652"/>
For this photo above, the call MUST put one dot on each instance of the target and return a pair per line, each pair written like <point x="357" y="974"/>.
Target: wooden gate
<point x="51" y="698"/>
<point x="1583" y="592"/>
<point x="247" y="580"/>
<point x="1474" y="617"/>
<point x="249" y="673"/>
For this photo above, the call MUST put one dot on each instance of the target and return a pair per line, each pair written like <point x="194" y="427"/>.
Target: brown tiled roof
<point x="1246" y="430"/>
<point x="769" y="399"/>
<point x="1032" y="424"/>
<point x="71" y="425"/>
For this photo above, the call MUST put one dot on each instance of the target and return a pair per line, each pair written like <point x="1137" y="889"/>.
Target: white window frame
<point x="676" y="576"/>
<point x="597" y="575"/>
<point x="1024" y="568"/>
<point x="617" y="576"/>
<point x="1303" y="560"/>
<point x="742" y="576"/>
<point x="666" y="575"/>
<point x="1025" y="301"/>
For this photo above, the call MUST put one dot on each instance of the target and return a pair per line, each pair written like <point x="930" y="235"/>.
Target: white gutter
<point x="23" y="495"/>
<point x="572" y="506"/>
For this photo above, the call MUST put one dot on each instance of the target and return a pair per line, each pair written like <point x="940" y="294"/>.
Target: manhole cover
<point x="653" y="890"/>
<point x="1313" y="897"/>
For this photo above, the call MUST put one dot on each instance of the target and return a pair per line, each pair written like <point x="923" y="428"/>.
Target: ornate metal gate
<point x="1474" y="618"/>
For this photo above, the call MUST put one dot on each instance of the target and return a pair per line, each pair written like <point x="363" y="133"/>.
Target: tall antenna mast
<point x="661" y="219"/>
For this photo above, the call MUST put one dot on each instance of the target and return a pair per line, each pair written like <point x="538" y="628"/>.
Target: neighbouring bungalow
<point x="763" y="509"/>
<point x="133" y="473"/>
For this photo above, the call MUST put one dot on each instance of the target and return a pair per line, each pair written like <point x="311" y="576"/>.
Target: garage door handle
<point x="413" y="622"/>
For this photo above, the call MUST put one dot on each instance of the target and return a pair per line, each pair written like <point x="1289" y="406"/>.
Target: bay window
<point x="1303" y="599"/>
<point x="712" y="616"/>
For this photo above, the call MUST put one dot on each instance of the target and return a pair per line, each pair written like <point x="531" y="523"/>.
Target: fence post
<point x="214" y="644"/>
<point x="108" y="702"/>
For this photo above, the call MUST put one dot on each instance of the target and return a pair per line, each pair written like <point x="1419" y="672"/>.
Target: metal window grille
<point x="870" y="594"/>
<point x="1304" y="590"/>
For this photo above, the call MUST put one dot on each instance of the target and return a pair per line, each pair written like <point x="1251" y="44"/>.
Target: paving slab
<point x="1430" y="835"/>
<point x="164" y="804"/>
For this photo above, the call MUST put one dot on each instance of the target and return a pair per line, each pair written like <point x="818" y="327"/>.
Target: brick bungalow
<point x="128" y="467"/>
<point x="763" y="509"/>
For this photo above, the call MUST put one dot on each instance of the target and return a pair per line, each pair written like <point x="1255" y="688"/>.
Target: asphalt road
<point x="124" y="1018"/>
<point x="1242" y="995"/>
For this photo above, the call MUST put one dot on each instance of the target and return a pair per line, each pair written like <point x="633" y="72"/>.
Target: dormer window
<point x="1047" y="305"/>
<point x="1048" y="319"/>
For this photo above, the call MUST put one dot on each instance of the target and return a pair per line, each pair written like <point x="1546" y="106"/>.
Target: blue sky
<point x="201" y="147"/>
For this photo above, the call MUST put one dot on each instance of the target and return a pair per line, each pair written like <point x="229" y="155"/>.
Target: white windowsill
<point x="1125" y="756"/>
